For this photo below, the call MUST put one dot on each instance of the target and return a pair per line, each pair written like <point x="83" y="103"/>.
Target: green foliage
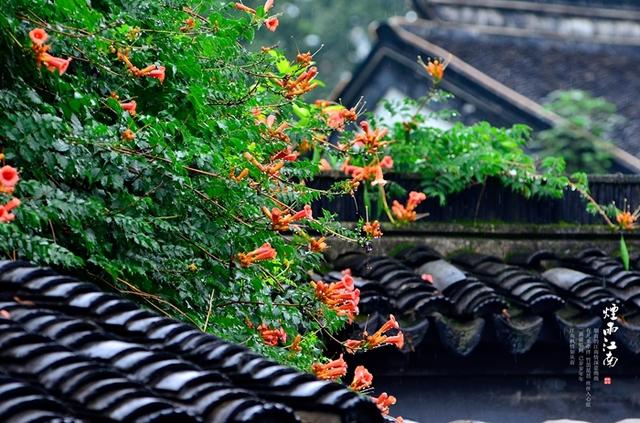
<point x="583" y="140"/>
<point x="158" y="215"/>
<point x="624" y="253"/>
<point x="450" y="160"/>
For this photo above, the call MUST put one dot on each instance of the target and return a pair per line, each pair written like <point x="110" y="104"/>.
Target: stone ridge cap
<point x="603" y="178"/>
<point x="497" y="229"/>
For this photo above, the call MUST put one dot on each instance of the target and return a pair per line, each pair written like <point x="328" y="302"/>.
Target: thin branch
<point x="53" y="232"/>
<point x="592" y="200"/>
<point x="201" y="248"/>
<point x="230" y="303"/>
<point x="206" y="322"/>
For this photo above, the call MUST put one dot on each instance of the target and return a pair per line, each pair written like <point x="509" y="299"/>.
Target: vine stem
<point x="206" y="322"/>
<point x="217" y="204"/>
<point x="241" y="302"/>
<point x="592" y="200"/>
<point x="426" y="99"/>
<point x="201" y="248"/>
<point x="385" y="204"/>
<point x="338" y="235"/>
<point x="323" y="328"/>
<point x="149" y="298"/>
<point x="214" y="175"/>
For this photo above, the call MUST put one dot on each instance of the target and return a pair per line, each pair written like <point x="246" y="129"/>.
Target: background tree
<point x="148" y="150"/>
<point x="583" y="141"/>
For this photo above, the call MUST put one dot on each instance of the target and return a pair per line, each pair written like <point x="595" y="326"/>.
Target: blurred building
<point x="506" y="56"/>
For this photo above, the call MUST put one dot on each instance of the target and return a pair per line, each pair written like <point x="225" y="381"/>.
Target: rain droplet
<point x="368" y="247"/>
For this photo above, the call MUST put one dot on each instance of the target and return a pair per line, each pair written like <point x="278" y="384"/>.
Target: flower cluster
<point x="337" y="115"/>
<point x="273" y="133"/>
<point x="6" y="214"/>
<point x="240" y="176"/>
<point x="8" y="179"/>
<point x="264" y="252"/>
<point x="129" y="107"/>
<point x="270" y="23"/>
<point x="272" y="169"/>
<point x="128" y="135"/>
<point x="272" y="336"/>
<point x="38" y="39"/>
<point x="302" y="84"/>
<point x="407" y="213"/>
<point x="280" y="221"/>
<point x="295" y="346"/>
<point x="384" y="401"/>
<point x="317" y="245"/>
<point x="372" y="172"/>
<point x="435" y="68"/>
<point x="189" y="24"/>
<point x="151" y="71"/>
<point x="362" y="379"/>
<point x="341" y="296"/>
<point x="379" y="338"/>
<point x="626" y="220"/>
<point x="372" y="229"/>
<point x="287" y="154"/>
<point x="332" y="370"/>
<point x="370" y="139"/>
<point x="304" y="59"/>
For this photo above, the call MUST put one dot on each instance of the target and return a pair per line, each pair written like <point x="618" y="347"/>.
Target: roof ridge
<point x="518" y="100"/>
<point x="521" y="32"/>
<point x="619" y="11"/>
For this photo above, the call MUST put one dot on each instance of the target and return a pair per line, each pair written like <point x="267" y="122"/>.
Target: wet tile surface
<point x="71" y="353"/>
<point x="516" y="302"/>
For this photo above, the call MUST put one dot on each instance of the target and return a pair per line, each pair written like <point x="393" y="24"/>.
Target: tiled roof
<point x="535" y="65"/>
<point x="72" y="353"/>
<point x="532" y="3"/>
<point x="473" y="294"/>
<point x="503" y="74"/>
<point x="595" y="9"/>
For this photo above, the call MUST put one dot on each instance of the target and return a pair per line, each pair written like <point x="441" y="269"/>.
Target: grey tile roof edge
<point x="111" y="311"/>
<point x="577" y="289"/>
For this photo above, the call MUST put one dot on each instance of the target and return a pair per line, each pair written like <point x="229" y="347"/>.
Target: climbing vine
<point x="145" y="148"/>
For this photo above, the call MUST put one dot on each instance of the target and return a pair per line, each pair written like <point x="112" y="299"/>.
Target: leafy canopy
<point x="159" y="204"/>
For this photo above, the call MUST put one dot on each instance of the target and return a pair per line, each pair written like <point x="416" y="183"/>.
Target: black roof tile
<point x="24" y="403"/>
<point x="482" y="299"/>
<point x="517" y="284"/>
<point x="73" y="353"/>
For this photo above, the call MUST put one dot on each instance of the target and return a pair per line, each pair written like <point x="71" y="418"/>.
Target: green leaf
<point x="284" y="67"/>
<point x="624" y="253"/>
<point x="301" y="112"/>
